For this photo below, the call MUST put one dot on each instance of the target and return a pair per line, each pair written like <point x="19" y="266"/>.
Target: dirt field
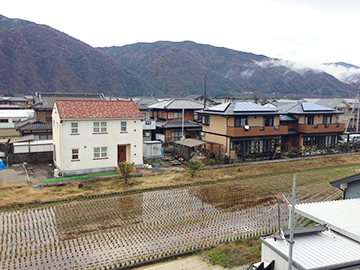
<point x="23" y="194"/>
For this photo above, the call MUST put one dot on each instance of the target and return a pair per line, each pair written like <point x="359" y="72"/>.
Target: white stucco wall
<point x="86" y="141"/>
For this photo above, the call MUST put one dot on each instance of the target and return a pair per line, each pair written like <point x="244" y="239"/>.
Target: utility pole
<point x="356" y="117"/>
<point x="292" y="223"/>
<point x="205" y="77"/>
<point x="227" y="92"/>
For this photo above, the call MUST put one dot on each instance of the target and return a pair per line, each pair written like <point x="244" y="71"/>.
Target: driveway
<point x="34" y="174"/>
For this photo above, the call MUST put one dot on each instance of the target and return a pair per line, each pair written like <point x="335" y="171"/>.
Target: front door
<point x="121" y="153"/>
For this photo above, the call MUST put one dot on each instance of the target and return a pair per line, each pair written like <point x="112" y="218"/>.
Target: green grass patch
<point x="77" y="177"/>
<point x="238" y="253"/>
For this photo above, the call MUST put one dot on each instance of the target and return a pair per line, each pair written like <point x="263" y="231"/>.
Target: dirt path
<point x="190" y="263"/>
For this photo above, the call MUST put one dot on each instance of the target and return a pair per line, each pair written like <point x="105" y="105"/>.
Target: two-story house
<point x="95" y="135"/>
<point x="312" y="125"/>
<point x="175" y="118"/>
<point x="242" y="127"/>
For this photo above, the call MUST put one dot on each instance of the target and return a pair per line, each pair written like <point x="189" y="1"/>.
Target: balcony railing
<point x="257" y="131"/>
<point x="321" y="128"/>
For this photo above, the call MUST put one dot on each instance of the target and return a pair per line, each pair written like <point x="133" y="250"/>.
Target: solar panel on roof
<point x="311" y="107"/>
<point x="251" y="107"/>
<point x="219" y="108"/>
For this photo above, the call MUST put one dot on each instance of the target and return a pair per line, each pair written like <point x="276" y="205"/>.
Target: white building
<point x="333" y="245"/>
<point x="9" y="117"/>
<point x="95" y="135"/>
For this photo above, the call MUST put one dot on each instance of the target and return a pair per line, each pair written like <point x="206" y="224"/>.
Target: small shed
<point x="152" y="149"/>
<point x="186" y="147"/>
<point x="349" y="185"/>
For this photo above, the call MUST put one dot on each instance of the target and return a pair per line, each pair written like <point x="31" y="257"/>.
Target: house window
<point x="176" y="134"/>
<point x="309" y="120"/>
<point x="48" y="116"/>
<point x="123" y="126"/>
<point x="99" y="127"/>
<point x="4" y="120"/>
<point x="178" y="115"/>
<point x="206" y="120"/>
<point x="100" y="152"/>
<point x="241" y="121"/>
<point x="75" y="154"/>
<point x="327" y="120"/>
<point x="309" y="140"/>
<point x="268" y="121"/>
<point x="74" y="128"/>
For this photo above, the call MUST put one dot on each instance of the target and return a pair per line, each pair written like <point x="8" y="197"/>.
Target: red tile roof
<point x="93" y="109"/>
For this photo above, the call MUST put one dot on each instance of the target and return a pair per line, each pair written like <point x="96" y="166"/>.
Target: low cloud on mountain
<point x="343" y="72"/>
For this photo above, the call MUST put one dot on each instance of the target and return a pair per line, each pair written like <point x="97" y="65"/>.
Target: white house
<point x="95" y="135"/>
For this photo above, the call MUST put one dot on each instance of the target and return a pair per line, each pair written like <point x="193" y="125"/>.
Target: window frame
<point x="241" y="121"/>
<point x="177" y="113"/>
<point x="102" y="152"/>
<point x="72" y="129"/>
<point x="101" y="129"/>
<point x="73" y="155"/>
<point x="205" y="120"/>
<point x="269" y="121"/>
<point x="121" y="126"/>
<point x="309" y="119"/>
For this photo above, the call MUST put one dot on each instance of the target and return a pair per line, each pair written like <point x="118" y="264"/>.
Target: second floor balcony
<point x="257" y="131"/>
<point x="321" y="128"/>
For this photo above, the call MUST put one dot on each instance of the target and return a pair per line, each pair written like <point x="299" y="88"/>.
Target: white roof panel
<point x="342" y="216"/>
<point x="16" y="113"/>
<point x="251" y="107"/>
<point x="312" y="107"/>
<point x="219" y="108"/>
<point x="324" y="250"/>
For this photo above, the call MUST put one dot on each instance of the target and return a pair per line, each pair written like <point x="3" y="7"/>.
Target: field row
<point x="122" y="230"/>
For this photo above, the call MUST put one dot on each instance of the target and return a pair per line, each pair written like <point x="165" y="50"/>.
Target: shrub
<point x="194" y="166"/>
<point x="212" y="162"/>
<point x="126" y="168"/>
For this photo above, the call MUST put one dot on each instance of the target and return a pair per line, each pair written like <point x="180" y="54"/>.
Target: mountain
<point x="345" y="72"/>
<point x="177" y="69"/>
<point x="38" y="58"/>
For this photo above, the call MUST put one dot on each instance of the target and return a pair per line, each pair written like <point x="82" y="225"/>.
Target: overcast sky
<point x="304" y="31"/>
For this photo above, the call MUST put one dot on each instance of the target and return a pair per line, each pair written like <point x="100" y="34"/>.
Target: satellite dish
<point x="246" y="127"/>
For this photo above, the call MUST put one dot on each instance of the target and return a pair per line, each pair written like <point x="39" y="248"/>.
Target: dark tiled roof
<point x="177" y="124"/>
<point x="97" y="109"/>
<point x="46" y="100"/>
<point x="32" y="124"/>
